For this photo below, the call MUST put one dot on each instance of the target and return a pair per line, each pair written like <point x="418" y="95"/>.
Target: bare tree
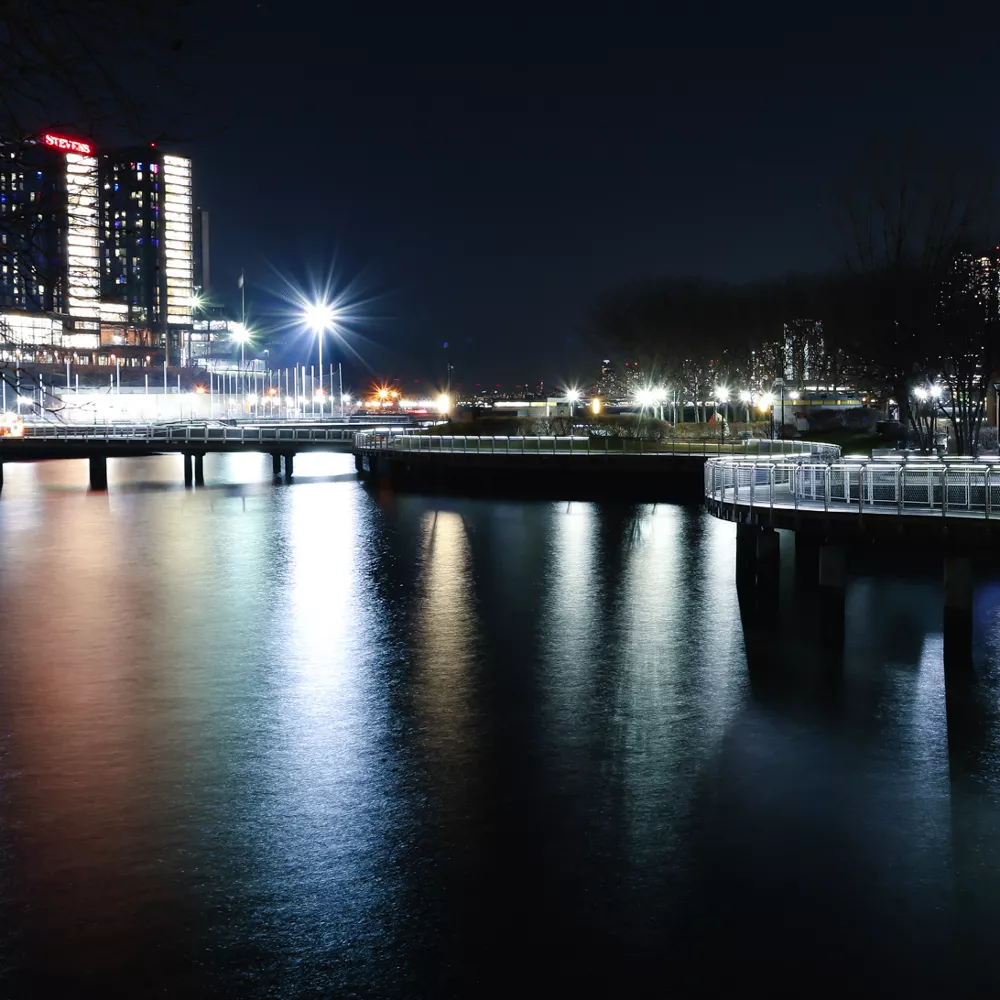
<point x="904" y="214"/>
<point x="968" y="325"/>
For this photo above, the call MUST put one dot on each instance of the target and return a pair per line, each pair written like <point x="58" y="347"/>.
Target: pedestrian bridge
<point x="98" y="443"/>
<point x="787" y="492"/>
<point x="948" y="506"/>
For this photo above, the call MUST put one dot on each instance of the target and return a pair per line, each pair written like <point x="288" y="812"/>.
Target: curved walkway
<point x="373" y="441"/>
<point x="958" y="489"/>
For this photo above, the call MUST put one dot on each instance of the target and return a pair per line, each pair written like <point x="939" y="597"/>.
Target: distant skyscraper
<point x="202" y="256"/>
<point x="632" y="379"/>
<point x="802" y="351"/>
<point x="609" y="386"/>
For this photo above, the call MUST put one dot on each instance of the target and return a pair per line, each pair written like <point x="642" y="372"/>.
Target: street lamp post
<point x="320" y="316"/>
<point x="935" y="393"/>
<point x="241" y="335"/>
<point x="572" y="398"/>
<point x="766" y="405"/>
<point x="722" y="397"/>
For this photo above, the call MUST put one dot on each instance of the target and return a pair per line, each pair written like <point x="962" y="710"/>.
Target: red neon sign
<point x="67" y="145"/>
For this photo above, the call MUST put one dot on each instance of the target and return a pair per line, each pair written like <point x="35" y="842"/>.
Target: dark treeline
<point x="909" y="312"/>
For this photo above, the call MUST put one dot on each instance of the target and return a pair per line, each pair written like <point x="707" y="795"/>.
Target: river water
<point x="310" y="740"/>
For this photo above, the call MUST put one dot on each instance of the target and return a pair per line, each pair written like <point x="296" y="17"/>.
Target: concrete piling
<point x="98" y="472"/>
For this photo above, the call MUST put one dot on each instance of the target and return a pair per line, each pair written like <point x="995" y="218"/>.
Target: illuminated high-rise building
<point x="147" y="249"/>
<point x="49" y="239"/>
<point x="97" y="253"/>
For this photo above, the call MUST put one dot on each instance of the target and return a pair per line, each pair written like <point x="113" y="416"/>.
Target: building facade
<point x="147" y="250"/>
<point x="96" y="253"/>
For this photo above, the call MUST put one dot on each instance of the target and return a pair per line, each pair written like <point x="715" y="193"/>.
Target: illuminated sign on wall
<point x="67" y="145"/>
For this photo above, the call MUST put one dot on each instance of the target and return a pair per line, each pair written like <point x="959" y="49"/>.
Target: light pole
<point x="240" y="335"/>
<point x="746" y="398"/>
<point x="935" y="393"/>
<point x="572" y="398"/>
<point x="320" y="316"/>
<point x="766" y="405"/>
<point x="722" y="398"/>
<point x="659" y="395"/>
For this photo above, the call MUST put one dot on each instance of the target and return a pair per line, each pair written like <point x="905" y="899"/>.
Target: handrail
<point x="583" y="445"/>
<point x="191" y="433"/>
<point x="945" y="489"/>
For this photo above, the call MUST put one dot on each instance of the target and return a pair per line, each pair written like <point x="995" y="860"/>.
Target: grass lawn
<point x="851" y="442"/>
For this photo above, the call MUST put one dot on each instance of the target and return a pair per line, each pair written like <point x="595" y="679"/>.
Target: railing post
<point x="795" y="488"/>
<point x="826" y="489"/>
<point x="753" y="481"/>
<point x="770" y="488"/>
<point x="899" y="488"/>
<point x="987" y="500"/>
<point x="861" y="489"/>
<point x="944" y="491"/>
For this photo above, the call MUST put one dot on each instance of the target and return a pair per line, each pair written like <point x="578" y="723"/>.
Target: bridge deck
<point x="40" y="443"/>
<point x="846" y="497"/>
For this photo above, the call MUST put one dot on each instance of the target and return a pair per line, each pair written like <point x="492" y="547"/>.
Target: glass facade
<point x="103" y="244"/>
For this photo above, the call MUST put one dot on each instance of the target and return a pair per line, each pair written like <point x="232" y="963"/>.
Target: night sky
<point x="480" y="181"/>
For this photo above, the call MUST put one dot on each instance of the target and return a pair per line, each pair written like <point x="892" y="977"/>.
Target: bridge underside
<point x="868" y="526"/>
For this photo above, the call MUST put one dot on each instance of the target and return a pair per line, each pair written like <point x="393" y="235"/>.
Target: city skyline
<point x="482" y="188"/>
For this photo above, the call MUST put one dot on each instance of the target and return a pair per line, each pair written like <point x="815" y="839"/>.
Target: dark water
<point x="308" y="740"/>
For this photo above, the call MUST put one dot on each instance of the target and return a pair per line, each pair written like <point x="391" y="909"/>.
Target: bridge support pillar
<point x="833" y="590"/>
<point x="957" y="611"/>
<point x="1" y="475"/>
<point x="768" y="571"/>
<point x="199" y="469"/>
<point x="746" y="555"/>
<point x="289" y="466"/>
<point x="188" y="470"/>
<point x="275" y="465"/>
<point x="98" y="472"/>
<point x="359" y="463"/>
<point x="807" y="546"/>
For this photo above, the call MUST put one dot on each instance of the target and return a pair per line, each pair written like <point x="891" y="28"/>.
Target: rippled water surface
<point x="313" y="740"/>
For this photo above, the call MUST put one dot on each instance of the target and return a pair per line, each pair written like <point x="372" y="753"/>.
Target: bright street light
<point x="746" y="396"/>
<point x="766" y="402"/>
<point x="444" y="404"/>
<point x="572" y="395"/>
<point x="935" y="391"/>
<point x="920" y="392"/>
<point x="320" y="317"/>
<point x="722" y="394"/>
<point x="793" y="395"/>
<point x="645" y="397"/>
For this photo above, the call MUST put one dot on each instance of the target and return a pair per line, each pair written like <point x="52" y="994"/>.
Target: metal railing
<point x="580" y="445"/>
<point x="945" y="489"/>
<point x="193" y="433"/>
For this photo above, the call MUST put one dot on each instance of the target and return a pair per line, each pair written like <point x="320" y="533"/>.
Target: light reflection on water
<point x="263" y="739"/>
